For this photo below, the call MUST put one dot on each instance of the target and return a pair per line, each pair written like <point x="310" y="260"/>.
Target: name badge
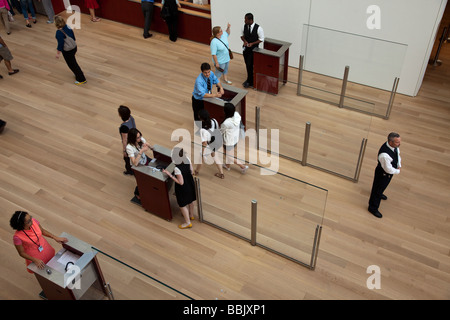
<point x="40" y="249"/>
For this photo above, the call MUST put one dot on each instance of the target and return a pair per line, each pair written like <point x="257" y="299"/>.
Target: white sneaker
<point x="224" y="166"/>
<point x="243" y="171"/>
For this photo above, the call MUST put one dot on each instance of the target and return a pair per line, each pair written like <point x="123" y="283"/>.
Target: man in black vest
<point x="252" y="36"/>
<point x="389" y="163"/>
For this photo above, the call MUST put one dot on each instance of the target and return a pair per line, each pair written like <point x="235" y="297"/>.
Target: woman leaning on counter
<point x="29" y="239"/>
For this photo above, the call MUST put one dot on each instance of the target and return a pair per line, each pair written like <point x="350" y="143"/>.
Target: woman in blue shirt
<point x="219" y="51"/>
<point x="63" y="32"/>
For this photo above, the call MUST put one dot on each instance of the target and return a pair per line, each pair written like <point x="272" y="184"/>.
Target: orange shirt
<point x="31" y="240"/>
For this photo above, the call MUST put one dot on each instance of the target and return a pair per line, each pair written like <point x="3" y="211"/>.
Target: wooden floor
<point x="60" y="160"/>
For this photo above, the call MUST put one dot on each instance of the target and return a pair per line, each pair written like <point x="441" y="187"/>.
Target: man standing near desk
<point x="389" y="163"/>
<point x="202" y="88"/>
<point x="252" y="36"/>
<point x="147" y="10"/>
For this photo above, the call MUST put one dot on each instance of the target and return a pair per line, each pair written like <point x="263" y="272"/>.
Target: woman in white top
<point x="209" y="135"/>
<point x="136" y="148"/>
<point x="230" y="133"/>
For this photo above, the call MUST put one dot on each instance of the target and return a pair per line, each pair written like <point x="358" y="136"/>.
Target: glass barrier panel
<point x="335" y="139"/>
<point x="129" y="283"/>
<point x="287" y="219"/>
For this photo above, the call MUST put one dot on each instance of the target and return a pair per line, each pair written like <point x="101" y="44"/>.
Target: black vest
<point x="251" y="36"/>
<point x="385" y="149"/>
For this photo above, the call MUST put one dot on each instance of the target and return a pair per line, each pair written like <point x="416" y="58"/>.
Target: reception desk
<point x="72" y="274"/>
<point x="232" y="94"/>
<point x="154" y="185"/>
<point x="270" y="65"/>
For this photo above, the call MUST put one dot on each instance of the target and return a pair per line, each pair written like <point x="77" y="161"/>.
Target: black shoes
<point x="376" y="213"/>
<point x="247" y="85"/>
<point x="383" y="197"/>
<point x="148" y="36"/>
<point x="128" y="173"/>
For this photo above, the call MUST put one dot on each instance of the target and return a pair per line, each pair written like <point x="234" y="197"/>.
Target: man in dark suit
<point x="389" y="163"/>
<point x="252" y="36"/>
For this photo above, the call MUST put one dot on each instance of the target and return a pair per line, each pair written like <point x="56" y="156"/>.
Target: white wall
<point x="410" y="22"/>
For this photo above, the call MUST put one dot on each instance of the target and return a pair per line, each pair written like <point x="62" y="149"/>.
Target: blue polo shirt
<point x="201" y="85"/>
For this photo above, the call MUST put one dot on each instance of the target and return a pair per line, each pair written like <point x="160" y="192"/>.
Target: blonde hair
<point x="59" y="22"/>
<point x="215" y="32"/>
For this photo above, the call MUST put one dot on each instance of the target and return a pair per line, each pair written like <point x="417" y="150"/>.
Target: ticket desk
<point x="154" y="185"/>
<point x="234" y="95"/>
<point x="270" y="65"/>
<point x="72" y="274"/>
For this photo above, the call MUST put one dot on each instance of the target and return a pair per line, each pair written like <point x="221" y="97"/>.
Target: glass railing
<point x="264" y="207"/>
<point x="125" y="282"/>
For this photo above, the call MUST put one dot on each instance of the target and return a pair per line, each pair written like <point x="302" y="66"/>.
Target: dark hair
<point x="124" y="113"/>
<point x="17" y="221"/>
<point x="393" y="135"/>
<point x="203" y="114"/>
<point x="249" y="16"/>
<point x="132" y="137"/>
<point x="229" y="110"/>
<point x="205" y="66"/>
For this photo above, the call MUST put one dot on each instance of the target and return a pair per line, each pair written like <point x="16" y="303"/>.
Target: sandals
<point x="220" y="175"/>
<point x="196" y="172"/>
<point x="96" y="19"/>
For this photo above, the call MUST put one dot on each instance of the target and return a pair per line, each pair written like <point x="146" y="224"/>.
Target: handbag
<point x="229" y="51"/>
<point x="69" y="42"/>
<point x="165" y="13"/>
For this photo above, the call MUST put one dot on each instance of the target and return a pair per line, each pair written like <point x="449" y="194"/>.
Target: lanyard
<point x="39" y="243"/>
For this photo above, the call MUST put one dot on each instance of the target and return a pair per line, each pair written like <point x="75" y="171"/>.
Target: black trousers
<point x="380" y="182"/>
<point x="126" y="159"/>
<point x="197" y="105"/>
<point x="248" y="58"/>
<point x="147" y="10"/>
<point x="172" y="25"/>
<point x="72" y="63"/>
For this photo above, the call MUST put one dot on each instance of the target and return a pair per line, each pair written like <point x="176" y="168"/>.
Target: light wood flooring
<point x="60" y="160"/>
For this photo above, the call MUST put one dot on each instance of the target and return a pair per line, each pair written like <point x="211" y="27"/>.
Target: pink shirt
<point x="31" y="240"/>
<point x="4" y="3"/>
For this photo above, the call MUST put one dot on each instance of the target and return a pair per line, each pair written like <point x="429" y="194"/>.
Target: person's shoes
<point x="14" y="72"/>
<point x="376" y="213"/>
<point x="1" y="77"/>
<point x="28" y="25"/>
<point x="137" y="201"/>
<point x="383" y="197"/>
<point x="188" y="226"/>
<point x="148" y="36"/>
<point x="34" y="21"/>
<point x="2" y="125"/>
<point x="49" y="21"/>
<point x="228" y="81"/>
<point x="246" y="84"/>
<point x="80" y="82"/>
<point x="128" y="173"/>
<point x="244" y="170"/>
<point x="8" y="33"/>
<point x="225" y="167"/>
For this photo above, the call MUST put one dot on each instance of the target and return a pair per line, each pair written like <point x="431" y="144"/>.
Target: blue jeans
<point x="27" y="4"/>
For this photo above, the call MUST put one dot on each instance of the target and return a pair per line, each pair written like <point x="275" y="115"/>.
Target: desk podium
<point x="154" y="185"/>
<point x="83" y="279"/>
<point x="231" y="94"/>
<point x="270" y="65"/>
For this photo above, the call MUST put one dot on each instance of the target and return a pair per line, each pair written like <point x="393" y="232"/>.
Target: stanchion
<point x="344" y="86"/>
<point x="254" y="222"/>
<point x="306" y="143"/>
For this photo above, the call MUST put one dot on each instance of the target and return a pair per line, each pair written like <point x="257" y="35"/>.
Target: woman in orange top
<point x="29" y="240"/>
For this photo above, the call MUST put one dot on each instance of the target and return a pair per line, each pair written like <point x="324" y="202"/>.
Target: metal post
<point x="344" y="86"/>
<point x="257" y="125"/>
<point x="253" y="227"/>
<point x="108" y="289"/>
<point x="199" y="199"/>
<point x="391" y="99"/>
<point x="300" y="73"/>
<point x="435" y="61"/>
<point x="315" y="250"/>
<point x="360" y="159"/>
<point x="306" y="143"/>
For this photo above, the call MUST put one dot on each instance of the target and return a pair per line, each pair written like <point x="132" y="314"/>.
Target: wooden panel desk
<point x="84" y="281"/>
<point x="270" y="65"/>
<point x="154" y="185"/>
<point x="232" y="94"/>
